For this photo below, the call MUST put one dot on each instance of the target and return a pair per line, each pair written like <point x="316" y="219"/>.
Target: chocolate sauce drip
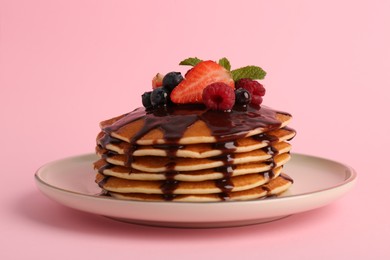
<point x="173" y="121"/>
<point x="225" y="147"/>
<point x="107" y="139"/>
<point x="227" y="159"/>
<point x="226" y="185"/>
<point x="168" y="197"/>
<point x="286" y="177"/>
<point x="170" y="184"/>
<point x="264" y="137"/>
<point x="103" y="182"/>
<point x="168" y="187"/>
<point x="269" y="174"/>
<point x="108" y="154"/>
<point x="271" y="163"/>
<point x="270" y="150"/>
<point x="105" y="167"/>
<point x="171" y="150"/>
<point x="129" y="151"/>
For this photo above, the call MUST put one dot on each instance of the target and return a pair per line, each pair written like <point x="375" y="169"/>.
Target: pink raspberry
<point x="218" y="96"/>
<point x="256" y="90"/>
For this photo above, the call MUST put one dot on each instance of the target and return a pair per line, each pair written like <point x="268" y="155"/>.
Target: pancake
<point x="163" y="164"/>
<point x="274" y="188"/>
<point x="201" y="150"/>
<point x="233" y="184"/>
<point x="190" y="153"/>
<point x="209" y="174"/>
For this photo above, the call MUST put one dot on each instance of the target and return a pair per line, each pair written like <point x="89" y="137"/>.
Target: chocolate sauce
<point x="286" y="177"/>
<point x="268" y="174"/>
<point x="105" y="167"/>
<point x="103" y="181"/>
<point x="170" y="150"/>
<point x="169" y="186"/>
<point x="107" y="139"/>
<point x="270" y="150"/>
<point x="174" y="120"/>
<point x="264" y="137"/>
<point x="225" y="147"/>
<point x="225" y="184"/>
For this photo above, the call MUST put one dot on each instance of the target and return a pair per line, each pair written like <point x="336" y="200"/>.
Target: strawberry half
<point x="197" y="79"/>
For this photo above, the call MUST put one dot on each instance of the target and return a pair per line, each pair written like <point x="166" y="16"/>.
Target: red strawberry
<point x="157" y="80"/>
<point x="198" y="78"/>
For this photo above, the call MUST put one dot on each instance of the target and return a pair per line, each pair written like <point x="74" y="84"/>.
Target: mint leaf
<point x="190" y="61"/>
<point x="224" y="62"/>
<point x="248" y="72"/>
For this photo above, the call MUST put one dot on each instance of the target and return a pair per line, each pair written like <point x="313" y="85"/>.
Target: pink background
<point x="66" y="65"/>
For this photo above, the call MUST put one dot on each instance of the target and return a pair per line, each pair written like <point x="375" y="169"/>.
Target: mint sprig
<point x="224" y="62"/>
<point x="248" y="72"/>
<point x="190" y="61"/>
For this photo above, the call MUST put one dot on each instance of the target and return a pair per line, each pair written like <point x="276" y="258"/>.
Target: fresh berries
<point x="171" y="80"/>
<point x="157" y="81"/>
<point x="218" y="96"/>
<point x="146" y="102"/>
<point x="197" y="79"/>
<point x="159" y="97"/>
<point x="256" y="90"/>
<point x="214" y="84"/>
<point x="243" y="97"/>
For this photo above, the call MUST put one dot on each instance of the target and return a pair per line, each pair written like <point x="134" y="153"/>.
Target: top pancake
<point x="192" y="124"/>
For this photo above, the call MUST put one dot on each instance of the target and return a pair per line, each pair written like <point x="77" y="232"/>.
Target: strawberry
<point x="157" y="80"/>
<point x="197" y="79"/>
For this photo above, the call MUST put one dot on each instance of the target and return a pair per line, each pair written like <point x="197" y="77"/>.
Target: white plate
<point x="317" y="182"/>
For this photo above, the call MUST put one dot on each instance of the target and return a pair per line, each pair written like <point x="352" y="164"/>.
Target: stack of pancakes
<point x="189" y="153"/>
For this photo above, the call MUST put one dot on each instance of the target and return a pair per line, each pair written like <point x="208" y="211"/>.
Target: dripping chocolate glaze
<point x="174" y="120"/>
<point x="225" y="127"/>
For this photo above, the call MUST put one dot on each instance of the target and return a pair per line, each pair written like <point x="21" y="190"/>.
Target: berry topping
<point x="171" y="80"/>
<point x="218" y="96"/>
<point x="197" y="79"/>
<point x="157" y="81"/>
<point x="146" y="99"/>
<point x="256" y="90"/>
<point x="243" y="97"/>
<point x="159" y="97"/>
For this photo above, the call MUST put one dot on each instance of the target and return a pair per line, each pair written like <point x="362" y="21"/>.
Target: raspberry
<point x="218" y="96"/>
<point x="256" y="90"/>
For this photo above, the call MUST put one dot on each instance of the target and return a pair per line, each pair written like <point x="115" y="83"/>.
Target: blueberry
<point x="171" y="80"/>
<point x="146" y="99"/>
<point x="243" y="97"/>
<point x="159" y="97"/>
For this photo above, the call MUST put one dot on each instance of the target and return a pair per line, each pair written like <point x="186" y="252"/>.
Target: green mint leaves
<point x="190" y="61"/>
<point x="225" y="63"/>
<point x="247" y="72"/>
